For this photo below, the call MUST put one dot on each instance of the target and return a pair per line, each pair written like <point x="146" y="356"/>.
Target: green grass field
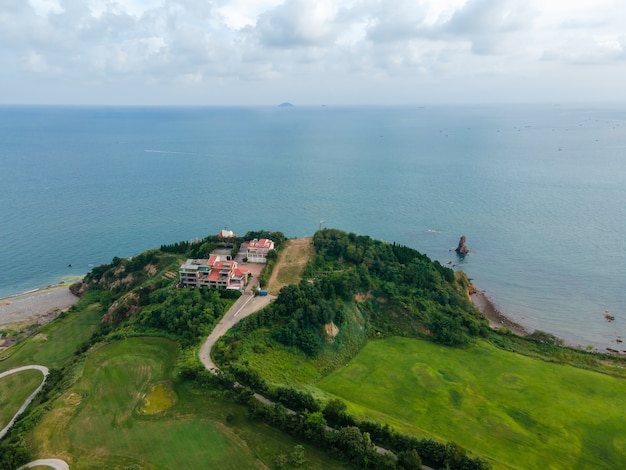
<point x="14" y="389"/>
<point x="279" y="364"/>
<point x="55" y="342"/>
<point x="100" y="422"/>
<point x="518" y="411"/>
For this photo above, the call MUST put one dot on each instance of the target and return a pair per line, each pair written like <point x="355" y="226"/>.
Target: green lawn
<point x="518" y="411"/>
<point x="100" y="422"/>
<point x="14" y="390"/>
<point x="55" y="342"/>
<point x="282" y="365"/>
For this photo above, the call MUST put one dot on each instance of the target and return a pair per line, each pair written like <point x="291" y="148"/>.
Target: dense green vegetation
<point x="424" y="376"/>
<point x="103" y="364"/>
<point x="376" y="290"/>
<point x="402" y="292"/>
<point x="360" y="288"/>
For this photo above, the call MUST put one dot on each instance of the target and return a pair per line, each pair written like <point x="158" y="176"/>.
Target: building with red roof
<point x="226" y="234"/>
<point x="258" y="249"/>
<point x="217" y="272"/>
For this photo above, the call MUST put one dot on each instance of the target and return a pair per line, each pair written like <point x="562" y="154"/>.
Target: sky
<point x="311" y="52"/>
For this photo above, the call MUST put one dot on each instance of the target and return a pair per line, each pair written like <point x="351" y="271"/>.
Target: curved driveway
<point x="44" y="371"/>
<point x="245" y="305"/>
<point x="57" y="464"/>
<point x="53" y="463"/>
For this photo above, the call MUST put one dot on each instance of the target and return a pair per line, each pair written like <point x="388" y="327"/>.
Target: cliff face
<point x="462" y="248"/>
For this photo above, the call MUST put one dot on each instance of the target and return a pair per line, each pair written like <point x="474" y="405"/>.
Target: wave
<point x="172" y="152"/>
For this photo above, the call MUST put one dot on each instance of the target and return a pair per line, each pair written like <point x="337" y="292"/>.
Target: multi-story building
<point x="258" y="249"/>
<point x="217" y="272"/>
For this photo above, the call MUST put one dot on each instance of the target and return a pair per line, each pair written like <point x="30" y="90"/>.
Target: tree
<point x="354" y="444"/>
<point x="335" y="410"/>
<point x="409" y="460"/>
<point x="314" y="425"/>
<point x="296" y="458"/>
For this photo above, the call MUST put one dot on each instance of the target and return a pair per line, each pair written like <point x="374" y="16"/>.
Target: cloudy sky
<point x="237" y="52"/>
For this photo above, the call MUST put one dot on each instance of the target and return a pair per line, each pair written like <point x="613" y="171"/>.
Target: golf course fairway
<point x="98" y="422"/>
<point x="517" y="411"/>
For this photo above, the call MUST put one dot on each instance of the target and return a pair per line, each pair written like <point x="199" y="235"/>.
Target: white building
<point x="258" y="249"/>
<point x="226" y="234"/>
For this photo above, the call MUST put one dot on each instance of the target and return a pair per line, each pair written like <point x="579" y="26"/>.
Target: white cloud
<point x="33" y="62"/>
<point x="326" y="44"/>
<point x="44" y="7"/>
<point x="299" y="23"/>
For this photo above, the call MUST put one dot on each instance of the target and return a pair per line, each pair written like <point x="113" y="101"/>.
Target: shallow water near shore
<point x="539" y="191"/>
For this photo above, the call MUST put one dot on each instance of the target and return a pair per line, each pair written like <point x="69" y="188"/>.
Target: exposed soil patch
<point x="74" y="399"/>
<point x="363" y="296"/>
<point x="151" y="269"/>
<point x="291" y="262"/>
<point x="331" y="329"/>
<point x="40" y="338"/>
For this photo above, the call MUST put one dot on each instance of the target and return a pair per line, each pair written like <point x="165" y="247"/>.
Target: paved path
<point x="44" y="371"/>
<point x="245" y="305"/>
<point x="52" y="463"/>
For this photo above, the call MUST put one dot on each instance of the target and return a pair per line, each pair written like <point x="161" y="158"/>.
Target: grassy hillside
<point x="278" y="364"/>
<point x="57" y="341"/>
<point x="126" y="388"/>
<point x="530" y="410"/>
<point x="516" y="410"/>
<point x="14" y="389"/>
<point x="99" y="421"/>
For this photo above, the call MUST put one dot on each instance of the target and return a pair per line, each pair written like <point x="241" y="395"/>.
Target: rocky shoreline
<point x="496" y="318"/>
<point x="26" y="312"/>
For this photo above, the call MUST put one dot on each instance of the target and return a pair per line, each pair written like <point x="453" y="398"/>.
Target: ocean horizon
<point x="538" y="190"/>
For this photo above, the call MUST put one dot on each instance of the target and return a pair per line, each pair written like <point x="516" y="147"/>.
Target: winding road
<point x="44" y="371"/>
<point x="57" y="464"/>
<point x="53" y="463"/>
<point x="245" y="305"/>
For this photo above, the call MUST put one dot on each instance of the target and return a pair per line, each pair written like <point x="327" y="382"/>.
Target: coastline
<point x="496" y="318"/>
<point x="36" y="306"/>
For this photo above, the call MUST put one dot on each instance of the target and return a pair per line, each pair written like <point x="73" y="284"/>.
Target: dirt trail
<point x="291" y="263"/>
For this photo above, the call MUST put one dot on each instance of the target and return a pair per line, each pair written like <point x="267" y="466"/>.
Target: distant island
<point x="285" y="105"/>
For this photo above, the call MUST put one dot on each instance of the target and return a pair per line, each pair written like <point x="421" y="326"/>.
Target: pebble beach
<point x="40" y="306"/>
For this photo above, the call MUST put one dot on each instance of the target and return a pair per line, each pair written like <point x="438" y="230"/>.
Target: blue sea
<point x="538" y="190"/>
